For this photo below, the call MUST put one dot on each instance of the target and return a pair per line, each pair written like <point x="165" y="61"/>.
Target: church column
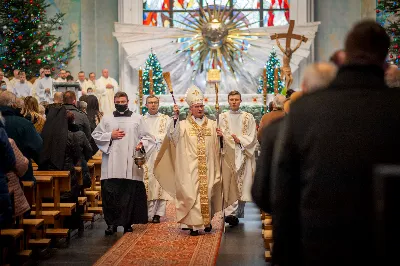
<point x="130" y="12"/>
<point x="302" y="11"/>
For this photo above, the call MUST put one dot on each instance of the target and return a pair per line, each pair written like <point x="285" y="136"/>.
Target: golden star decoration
<point x="216" y="37"/>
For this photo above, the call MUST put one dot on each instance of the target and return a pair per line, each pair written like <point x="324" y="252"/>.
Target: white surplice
<point x="156" y="196"/>
<point x="243" y="125"/>
<point x="106" y="96"/>
<point x="118" y="155"/>
<point x="22" y="89"/>
<point x="42" y="85"/>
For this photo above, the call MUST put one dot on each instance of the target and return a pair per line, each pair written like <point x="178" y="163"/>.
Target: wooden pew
<point x="62" y="182"/>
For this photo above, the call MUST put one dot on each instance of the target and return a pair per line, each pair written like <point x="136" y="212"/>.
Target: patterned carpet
<point x="165" y="244"/>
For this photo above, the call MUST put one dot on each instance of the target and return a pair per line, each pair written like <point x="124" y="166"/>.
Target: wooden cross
<point x="289" y="35"/>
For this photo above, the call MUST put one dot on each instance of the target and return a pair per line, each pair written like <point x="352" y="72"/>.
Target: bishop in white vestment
<point x="188" y="167"/>
<point x="158" y="124"/>
<point x="240" y="140"/>
<point x="106" y="88"/>
<point x="119" y="136"/>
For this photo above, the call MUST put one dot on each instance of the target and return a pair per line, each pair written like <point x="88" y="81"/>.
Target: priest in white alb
<point x="188" y="167"/>
<point x="106" y="88"/>
<point x="240" y="141"/>
<point x="119" y="136"/>
<point x="158" y="124"/>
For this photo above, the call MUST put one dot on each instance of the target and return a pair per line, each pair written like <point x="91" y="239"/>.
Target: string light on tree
<point x="387" y="14"/>
<point x="272" y="63"/>
<point x="24" y="43"/>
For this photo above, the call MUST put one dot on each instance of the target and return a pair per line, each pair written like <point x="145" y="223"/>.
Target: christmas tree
<point x="26" y="39"/>
<point x="272" y="63"/>
<point x="158" y="80"/>
<point x="387" y="16"/>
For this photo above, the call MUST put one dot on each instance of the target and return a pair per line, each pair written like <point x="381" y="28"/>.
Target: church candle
<point x="151" y="81"/>
<point x="140" y="81"/>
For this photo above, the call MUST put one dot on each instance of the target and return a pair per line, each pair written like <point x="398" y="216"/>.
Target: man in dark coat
<point x="81" y="118"/>
<point x="316" y="76"/>
<point x="329" y="144"/>
<point x="21" y="131"/>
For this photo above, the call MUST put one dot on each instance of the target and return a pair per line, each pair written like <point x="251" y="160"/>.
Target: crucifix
<point x="287" y="51"/>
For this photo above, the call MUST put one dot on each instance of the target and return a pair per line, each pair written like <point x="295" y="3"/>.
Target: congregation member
<point x="325" y="156"/>
<point x="22" y="87"/>
<point x="188" y="167"/>
<point x="65" y="147"/>
<point x="57" y="101"/>
<point x="158" y="124"/>
<point x="316" y="76"/>
<point x="21" y="205"/>
<point x="120" y="135"/>
<point x="392" y="76"/>
<point x="276" y="113"/>
<point x="93" y="111"/>
<point x="106" y="88"/>
<point x="5" y="83"/>
<point x="21" y="131"/>
<point x="7" y="158"/>
<point x="81" y="119"/>
<point x="338" y="58"/>
<point x="31" y="112"/>
<point x="240" y="140"/>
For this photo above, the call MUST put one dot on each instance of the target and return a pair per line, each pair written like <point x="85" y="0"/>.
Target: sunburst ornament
<point x="217" y="38"/>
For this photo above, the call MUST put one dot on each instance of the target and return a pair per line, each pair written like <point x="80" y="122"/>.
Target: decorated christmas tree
<point x="26" y="39"/>
<point x="272" y="63"/>
<point x="159" y="85"/>
<point x="387" y="15"/>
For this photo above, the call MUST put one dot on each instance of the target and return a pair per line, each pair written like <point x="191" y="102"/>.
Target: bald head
<point x="392" y="76"/>
<point x="58" y="97"/>
<point x="104" y="73"/>
<point x="318" y="76"/>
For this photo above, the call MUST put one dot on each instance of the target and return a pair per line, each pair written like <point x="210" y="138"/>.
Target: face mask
<point x="90" y="93"/>
<point x="121" y="107"/>
<point x="4" y="87"/>
<point x="47" y="75"/>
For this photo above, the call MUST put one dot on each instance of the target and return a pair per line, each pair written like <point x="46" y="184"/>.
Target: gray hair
<point x="82" y="105"/>
<point x="8" y="99"/>
<point x="318" y="76"/>
<point x="279" y="101"/>
<point x="392" y="76"/>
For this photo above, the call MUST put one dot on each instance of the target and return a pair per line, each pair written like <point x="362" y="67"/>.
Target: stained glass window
<point x="259" y="13"/>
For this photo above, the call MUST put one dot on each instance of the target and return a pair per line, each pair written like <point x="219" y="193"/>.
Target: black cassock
<point x="124" y="202"/>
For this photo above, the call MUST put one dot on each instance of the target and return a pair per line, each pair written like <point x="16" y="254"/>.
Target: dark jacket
<point x="80" y="119"/>
<point x="25" y="136"/>
<point x="7" y="163"/>
<point x="260" y="190"/>
<point x="330" y="142"/>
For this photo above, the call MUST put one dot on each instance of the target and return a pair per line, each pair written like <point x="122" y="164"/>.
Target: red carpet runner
<point x="165" y="244"/>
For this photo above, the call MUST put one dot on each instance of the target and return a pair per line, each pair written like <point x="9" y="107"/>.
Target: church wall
<point x="337" y="17"/>
<point x="91" y="23"/>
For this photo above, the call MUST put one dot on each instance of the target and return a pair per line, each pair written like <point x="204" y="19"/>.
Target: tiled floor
<point x="243" y="245"/>
<point x="83" y="251"/>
